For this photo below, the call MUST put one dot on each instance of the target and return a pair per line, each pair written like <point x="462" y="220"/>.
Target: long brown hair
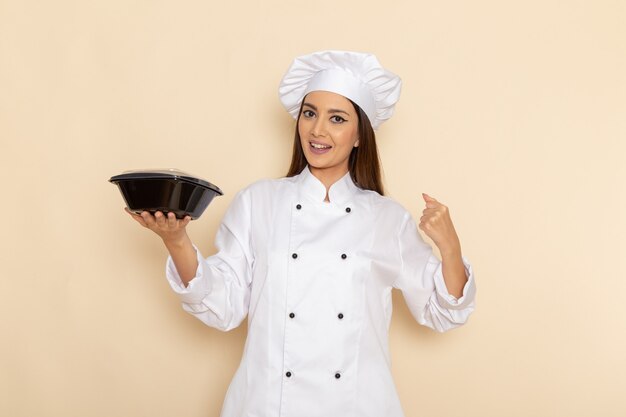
<point x="364" y="163"/>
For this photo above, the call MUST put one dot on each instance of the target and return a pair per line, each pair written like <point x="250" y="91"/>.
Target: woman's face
<point x="328" y="128"/>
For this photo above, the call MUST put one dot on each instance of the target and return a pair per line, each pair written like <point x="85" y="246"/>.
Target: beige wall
<point x="512" y="113"/>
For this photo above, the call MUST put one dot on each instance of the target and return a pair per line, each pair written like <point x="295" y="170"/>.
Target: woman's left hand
<point x="437" y="225"/>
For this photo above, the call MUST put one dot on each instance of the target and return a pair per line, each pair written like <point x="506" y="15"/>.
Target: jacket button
<point x="291" y="315"/>
<point x="340" y="315"/>
<point x="288" y="374"/>
<point x="298" y="206"/>
<point x="337" y="375"/>
<point x="344" y="256"/>
<point x="348" y="209"/>
<point x="294" y="255"/>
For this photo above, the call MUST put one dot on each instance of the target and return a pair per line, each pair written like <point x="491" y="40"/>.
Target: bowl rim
<point x="164" y="174"/>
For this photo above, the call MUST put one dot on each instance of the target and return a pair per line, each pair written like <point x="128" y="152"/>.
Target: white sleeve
<point x="423" y="287"/>
<point x="219" y="294"/>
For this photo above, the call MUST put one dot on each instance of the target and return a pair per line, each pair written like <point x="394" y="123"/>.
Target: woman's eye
<point x="337" y="119"/>
<point x="308" y="113"/>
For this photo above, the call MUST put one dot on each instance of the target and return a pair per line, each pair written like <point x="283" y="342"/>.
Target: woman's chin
<point x="316" y="161"/>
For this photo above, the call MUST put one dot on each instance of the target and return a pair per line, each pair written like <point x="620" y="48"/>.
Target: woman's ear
<point x="356" y="144"/>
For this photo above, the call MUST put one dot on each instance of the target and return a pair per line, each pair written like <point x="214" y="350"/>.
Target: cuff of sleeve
<point x="446" y="299"/>
<point x="199" y="286"/>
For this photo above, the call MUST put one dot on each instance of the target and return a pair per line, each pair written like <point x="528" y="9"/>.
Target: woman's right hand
<point x="169" y="228"/>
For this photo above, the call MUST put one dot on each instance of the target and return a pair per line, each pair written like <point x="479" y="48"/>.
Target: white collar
<point x="340" y="192"/>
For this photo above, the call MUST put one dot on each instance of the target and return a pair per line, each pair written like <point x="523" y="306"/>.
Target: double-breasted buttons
<point x="340" y="316"/>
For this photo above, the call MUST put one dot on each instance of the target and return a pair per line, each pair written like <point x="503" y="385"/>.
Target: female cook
<point x="311" y="258"/>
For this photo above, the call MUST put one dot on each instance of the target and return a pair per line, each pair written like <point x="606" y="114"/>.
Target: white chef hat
<point x="355" y="75"/>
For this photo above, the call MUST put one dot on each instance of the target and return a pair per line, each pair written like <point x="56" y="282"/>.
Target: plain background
<point x="513" y="113"/>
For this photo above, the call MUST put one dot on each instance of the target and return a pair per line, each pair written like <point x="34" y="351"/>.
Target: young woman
<point x="311" y="258"/>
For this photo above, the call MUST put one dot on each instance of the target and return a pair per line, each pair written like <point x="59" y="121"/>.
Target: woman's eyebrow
<point x="329" y="110"/>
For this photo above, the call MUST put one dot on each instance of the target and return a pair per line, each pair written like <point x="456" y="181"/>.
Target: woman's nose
<point x="318" y="128"/>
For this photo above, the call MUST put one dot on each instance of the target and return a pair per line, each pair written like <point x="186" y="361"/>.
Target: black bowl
<point x="167" y="191"/>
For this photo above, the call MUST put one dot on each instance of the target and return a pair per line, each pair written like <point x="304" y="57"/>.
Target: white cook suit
<point x="315" y="279"/>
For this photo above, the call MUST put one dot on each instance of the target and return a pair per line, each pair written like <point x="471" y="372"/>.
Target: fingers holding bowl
<point x="136" y="217"/>
<point x="163" y="224"/>
<point x="149" y="219"/>
<point x="175" y="223"/>
<point x="160" y="220"/>
<point x="172" y="222"/>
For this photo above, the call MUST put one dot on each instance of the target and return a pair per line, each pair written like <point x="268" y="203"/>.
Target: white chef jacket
<point x="315" y="279"/>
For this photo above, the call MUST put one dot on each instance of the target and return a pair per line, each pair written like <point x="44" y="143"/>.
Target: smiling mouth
<point x="319" y="146"/>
